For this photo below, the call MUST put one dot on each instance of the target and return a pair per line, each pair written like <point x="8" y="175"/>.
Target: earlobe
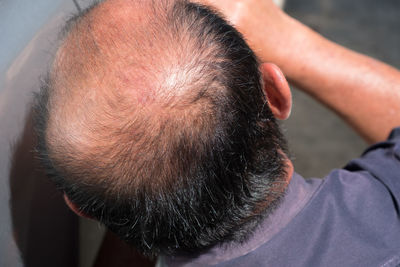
<point x="74" y="208"/>
<point x="277" y="90"/>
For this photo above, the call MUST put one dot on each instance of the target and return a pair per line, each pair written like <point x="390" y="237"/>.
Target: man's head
<point x="154" y="121"/>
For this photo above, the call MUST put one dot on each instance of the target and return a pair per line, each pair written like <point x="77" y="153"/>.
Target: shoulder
<point x="353" y="219"/>
<point x="367" y="188"/>
<point x="380" y="164"/>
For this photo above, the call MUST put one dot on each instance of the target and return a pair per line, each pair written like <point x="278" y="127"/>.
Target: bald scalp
<point x="128" y="81"/>
<point x="153" y="121"/>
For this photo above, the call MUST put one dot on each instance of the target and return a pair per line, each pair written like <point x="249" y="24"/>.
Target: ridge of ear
<point x="277" y="90"/>
<point x="75" y="208"/>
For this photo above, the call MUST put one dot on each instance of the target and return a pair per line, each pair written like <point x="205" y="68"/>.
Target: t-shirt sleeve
<point x="382" y="161"/>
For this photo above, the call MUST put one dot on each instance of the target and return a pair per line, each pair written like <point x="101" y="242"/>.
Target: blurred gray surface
<point x="33" y="216"/>
<point x="318" y="139"/>
<point x="84" y="3"/>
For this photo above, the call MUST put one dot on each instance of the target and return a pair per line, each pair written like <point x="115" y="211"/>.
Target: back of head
<point x="153" y="121"/>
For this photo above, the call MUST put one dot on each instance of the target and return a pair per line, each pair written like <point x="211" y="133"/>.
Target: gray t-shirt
<point x="350" y="218"/>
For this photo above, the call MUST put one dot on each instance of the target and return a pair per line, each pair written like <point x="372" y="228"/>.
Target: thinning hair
<point x="157" y="125"/>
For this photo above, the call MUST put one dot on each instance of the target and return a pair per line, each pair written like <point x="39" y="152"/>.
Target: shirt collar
<point x="298" y="193"/>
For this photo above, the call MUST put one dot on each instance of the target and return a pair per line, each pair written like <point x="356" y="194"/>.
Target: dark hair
<point x="206" y="176"/>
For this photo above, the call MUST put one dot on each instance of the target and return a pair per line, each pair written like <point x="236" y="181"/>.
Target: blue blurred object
<point x="20" y="21"/>
<point x="36" y="228"/>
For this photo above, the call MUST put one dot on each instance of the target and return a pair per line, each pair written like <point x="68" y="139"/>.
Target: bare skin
<point x="364" y="91"/>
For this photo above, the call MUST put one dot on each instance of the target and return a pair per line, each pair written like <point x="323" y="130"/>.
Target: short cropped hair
<point x="198" y="161"/>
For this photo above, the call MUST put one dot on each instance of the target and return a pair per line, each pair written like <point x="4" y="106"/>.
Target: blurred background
<point x="36" y="228"/>
<point x="318" y="139"/>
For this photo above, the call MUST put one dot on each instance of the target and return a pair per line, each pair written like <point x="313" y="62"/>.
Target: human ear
<point x="75" y="208"/>
<point x="277" y="90"/>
